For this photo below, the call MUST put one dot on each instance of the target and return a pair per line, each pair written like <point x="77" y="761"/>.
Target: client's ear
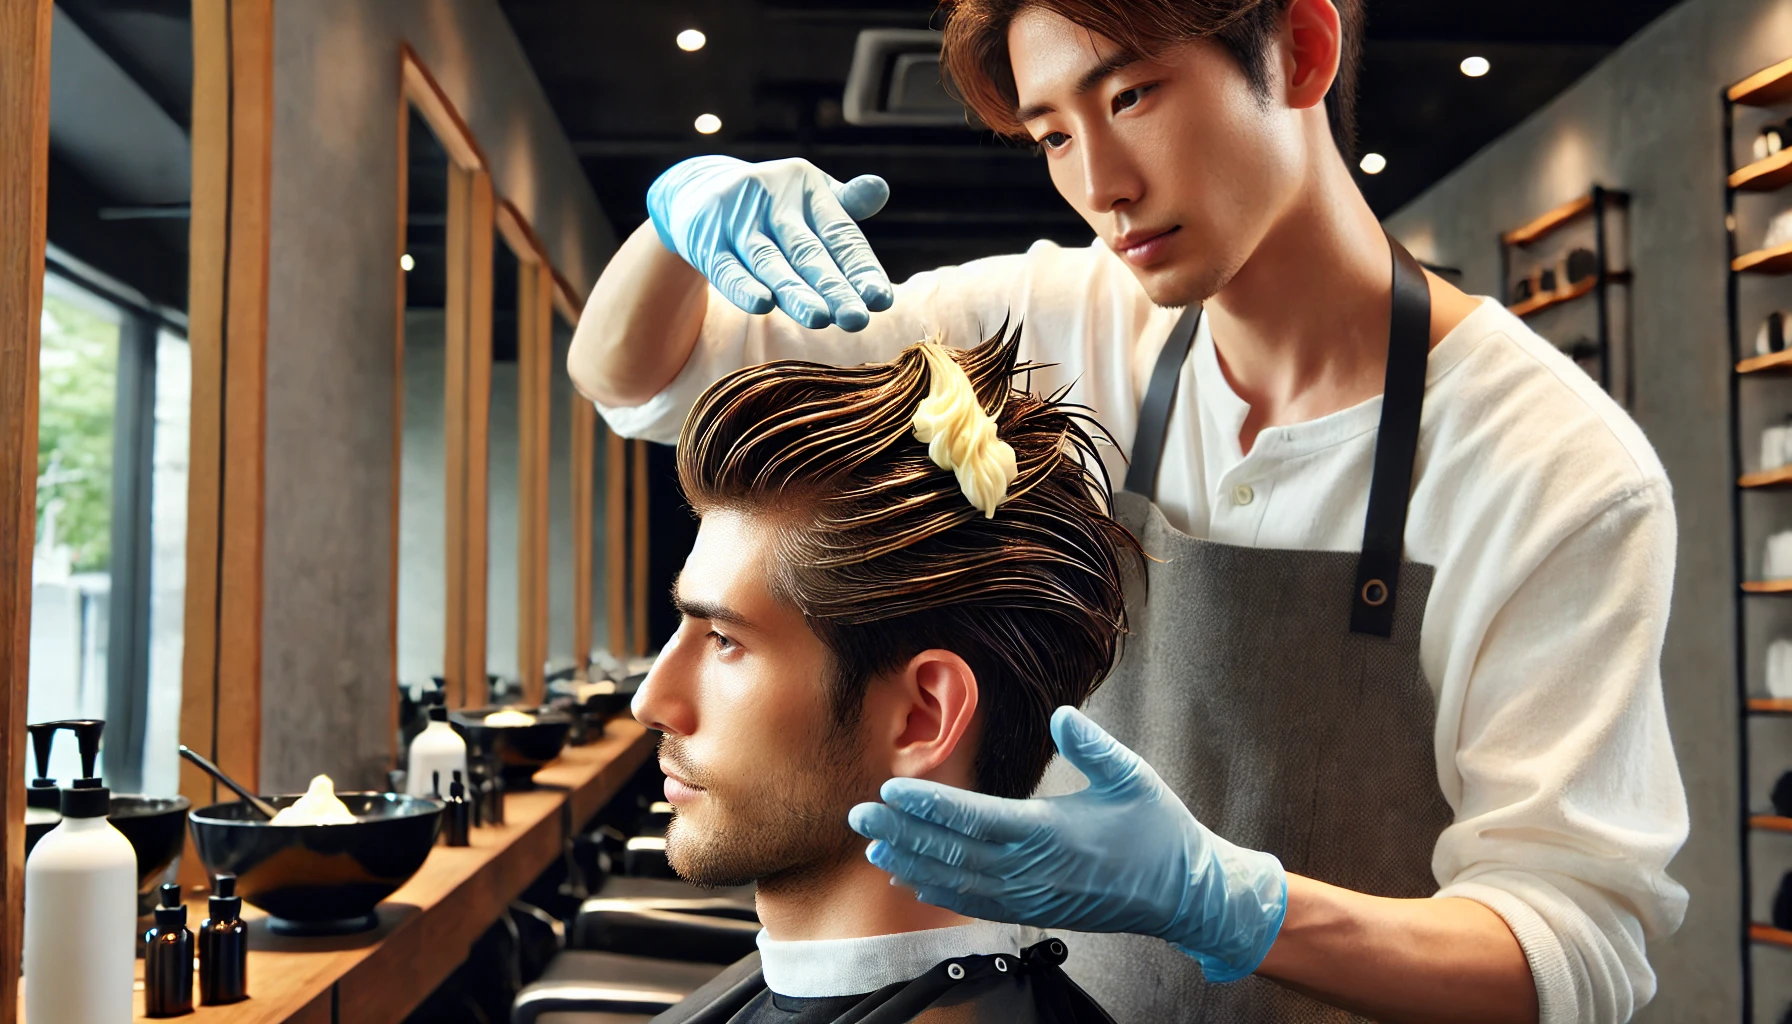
<point x="923" y="716"/>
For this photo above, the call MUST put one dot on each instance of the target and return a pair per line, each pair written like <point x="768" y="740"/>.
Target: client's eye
<point x="722" y="642"/>
<point x="1054" y="140"/>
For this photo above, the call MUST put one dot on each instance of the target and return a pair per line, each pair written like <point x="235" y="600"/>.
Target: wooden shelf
<point x="1769" y="934"/>
<point x="1767" y="175"/>
<point x="1580" y="289"/>
<point x="1770" y="705"/>
<point x="426" y="927"/>
<point x="1777" y="260"/>
<point x="1550" y="221"/>
<point x="1765" y="87"/>
<point x="1767" y="587"/>
<point x="1769" y="823"/>
<point x="1773" y="362"/>
<point x="1539" y="303"/>
<point x="1767" y="478"/>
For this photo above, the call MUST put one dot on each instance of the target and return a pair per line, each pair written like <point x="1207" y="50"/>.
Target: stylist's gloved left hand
<point x="1123" y="855"/>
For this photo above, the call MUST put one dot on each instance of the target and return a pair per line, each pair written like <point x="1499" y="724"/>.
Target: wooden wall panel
<point x="481" y="236"/>
<point x="24" y="170"/>
<point x="638" y="551"/>
<point x="227" y="331"/>
<point x="616" y="580"/>
<point x="584" y="471"/>
<point x="245" y="391"/>
<point x="535" y="312"/>
<point x="455" y="429"/>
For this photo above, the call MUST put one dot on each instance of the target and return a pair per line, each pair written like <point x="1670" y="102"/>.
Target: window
<point x="108" y="567"/>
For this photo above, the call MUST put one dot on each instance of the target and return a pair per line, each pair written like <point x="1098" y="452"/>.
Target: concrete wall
<point x="331" y="384"/>
<point x="1648" y="120"/>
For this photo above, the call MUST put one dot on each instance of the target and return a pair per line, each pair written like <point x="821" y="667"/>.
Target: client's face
<point x="755" y="765"/>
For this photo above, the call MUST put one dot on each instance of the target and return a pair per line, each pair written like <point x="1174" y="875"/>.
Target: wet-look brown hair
<point x="975" y="48"/>
<point x="885" y="557"/>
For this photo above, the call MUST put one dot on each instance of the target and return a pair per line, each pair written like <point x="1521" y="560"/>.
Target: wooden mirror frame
<point x="24" y="177"/>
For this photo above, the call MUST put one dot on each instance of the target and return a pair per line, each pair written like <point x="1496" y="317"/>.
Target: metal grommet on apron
<point x="1278" y="692"/>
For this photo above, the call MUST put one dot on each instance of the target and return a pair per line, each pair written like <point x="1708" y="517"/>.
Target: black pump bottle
<point x="224" y="947"/>
<point x="168" y="959"/>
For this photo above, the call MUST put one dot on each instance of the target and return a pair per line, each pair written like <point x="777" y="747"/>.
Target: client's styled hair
<point x="884" y="555"/>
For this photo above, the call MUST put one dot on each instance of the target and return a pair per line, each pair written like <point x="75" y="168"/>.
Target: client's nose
<point x="660" y="701"/>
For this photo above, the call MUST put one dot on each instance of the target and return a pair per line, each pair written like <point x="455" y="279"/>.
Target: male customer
<point x="902" y="569"/>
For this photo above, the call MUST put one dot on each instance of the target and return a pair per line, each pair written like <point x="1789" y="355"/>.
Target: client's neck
<point x="849" y="900"/>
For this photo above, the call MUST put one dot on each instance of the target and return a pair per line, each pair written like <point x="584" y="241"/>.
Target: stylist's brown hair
<point x="974" y="51"/>
<point x="885" y="557"/>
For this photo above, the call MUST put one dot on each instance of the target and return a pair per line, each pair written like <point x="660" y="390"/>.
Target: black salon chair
<point x="636" y="948"/>
<point x="585" y="987"/>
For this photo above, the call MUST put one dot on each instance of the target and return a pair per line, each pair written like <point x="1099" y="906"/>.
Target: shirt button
<point x="1243" y="495"/>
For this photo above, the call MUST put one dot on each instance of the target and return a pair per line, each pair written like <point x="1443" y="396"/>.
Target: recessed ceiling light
<point x="691" y="40"/>
<point x="708" y="124"/>
<point x="405" y="261"/>
<point x="1475" y="67"/>
<point x="1374" y="163"/>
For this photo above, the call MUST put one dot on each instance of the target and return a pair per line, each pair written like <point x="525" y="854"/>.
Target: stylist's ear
<point x="1313" y="42"/>
<point x="926" y="714"/>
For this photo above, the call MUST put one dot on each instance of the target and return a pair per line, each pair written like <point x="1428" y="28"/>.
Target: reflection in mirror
<point x="504" y="466"/>
<point x="562" y="659"/>
<point x="108" y="567"/>
<point x="423" y="487"/>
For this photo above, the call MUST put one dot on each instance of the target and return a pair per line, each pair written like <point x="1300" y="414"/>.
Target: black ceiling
<point x="774" y="71"/>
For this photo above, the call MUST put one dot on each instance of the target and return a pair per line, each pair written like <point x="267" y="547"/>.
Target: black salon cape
<point x="995" y="989"/>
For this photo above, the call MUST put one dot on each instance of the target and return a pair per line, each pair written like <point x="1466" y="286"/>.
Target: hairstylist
<point x="1394" y="689"/>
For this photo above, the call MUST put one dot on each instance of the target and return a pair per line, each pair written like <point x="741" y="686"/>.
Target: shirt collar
<point x="819" y="968"/>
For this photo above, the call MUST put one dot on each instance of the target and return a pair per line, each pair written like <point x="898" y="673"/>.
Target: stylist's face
<point x="1176" y="162"/>
<point x="759" y="772"/>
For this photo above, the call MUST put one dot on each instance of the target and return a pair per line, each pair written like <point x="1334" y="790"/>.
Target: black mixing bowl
<point x="521" y="748"/>
<point x="153" y="824"/>
<point x="319" y="879"/>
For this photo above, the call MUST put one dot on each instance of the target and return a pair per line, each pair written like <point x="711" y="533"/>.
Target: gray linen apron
<point x="1279" y="693"/>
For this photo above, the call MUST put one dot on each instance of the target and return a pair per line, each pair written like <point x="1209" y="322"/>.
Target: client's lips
<point x="677" y="789"/>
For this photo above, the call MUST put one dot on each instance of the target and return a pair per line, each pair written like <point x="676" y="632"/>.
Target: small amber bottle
<point x="224" y="947"/>
<point x="168" y="959"/>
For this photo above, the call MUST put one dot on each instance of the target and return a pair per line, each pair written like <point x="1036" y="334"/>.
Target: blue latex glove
<point x="1123" y="855"/>
<point x="781" y="228"/>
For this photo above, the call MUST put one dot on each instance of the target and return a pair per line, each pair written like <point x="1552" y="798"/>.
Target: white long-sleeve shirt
<point x="1540" y="504"/>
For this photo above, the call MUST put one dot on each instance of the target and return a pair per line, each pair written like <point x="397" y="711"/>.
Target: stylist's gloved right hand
<point x="782" y="229"/>
<point x="1123" y="855"/>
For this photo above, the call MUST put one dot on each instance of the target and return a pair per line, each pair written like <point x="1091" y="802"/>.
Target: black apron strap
<point x="1396" y="446"/>
<point x="1160" y="398"/>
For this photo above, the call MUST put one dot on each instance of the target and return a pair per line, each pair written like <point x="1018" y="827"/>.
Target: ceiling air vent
<point x="896" y="80"/>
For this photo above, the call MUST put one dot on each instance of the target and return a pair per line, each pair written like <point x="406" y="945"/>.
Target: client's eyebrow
<point x="1089" y="80"/>
<point x="707" y="610"/>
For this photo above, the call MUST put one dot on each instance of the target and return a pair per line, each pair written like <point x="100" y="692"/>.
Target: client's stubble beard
<point x="791" y="828"/>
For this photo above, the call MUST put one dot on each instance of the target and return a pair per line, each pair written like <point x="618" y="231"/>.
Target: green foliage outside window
<point x="77" y="392"/>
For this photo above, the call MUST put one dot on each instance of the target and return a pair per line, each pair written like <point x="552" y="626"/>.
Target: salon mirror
<point x="504" y="466"/>
<point x="423" y="544"/>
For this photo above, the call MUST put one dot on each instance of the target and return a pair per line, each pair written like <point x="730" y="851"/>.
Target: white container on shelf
<point x="1773" y="448"/>
<point x="437" y="750"/>
<point x="1779" y="668"/>
<point x="81" y="916"/>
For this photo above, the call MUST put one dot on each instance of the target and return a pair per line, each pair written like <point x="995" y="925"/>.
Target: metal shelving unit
<point x="1601" y="206"/>
<point x="1764" y="376"/>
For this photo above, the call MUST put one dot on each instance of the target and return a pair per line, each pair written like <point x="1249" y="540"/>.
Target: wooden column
<point x="638" y="539"/>
<point x="227" y="329"/>
<point x="478" y="420"/>
<point x="535" y="350"/>
<point x="584" y="472"/>
<point x="616" y="517"/>
<point x="24" y="172"/>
